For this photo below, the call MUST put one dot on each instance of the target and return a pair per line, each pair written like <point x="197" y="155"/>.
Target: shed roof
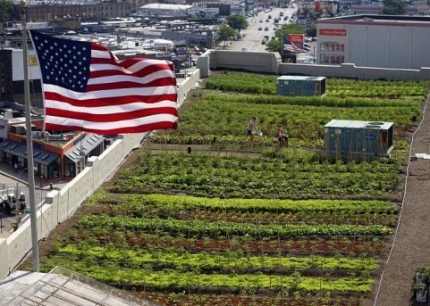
<point x="165" y="6"/>
<point x="358" y="124"/>
<point x="300" y="78"/>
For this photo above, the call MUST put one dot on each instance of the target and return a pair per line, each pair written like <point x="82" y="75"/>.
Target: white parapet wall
<point x="60" y="205"/>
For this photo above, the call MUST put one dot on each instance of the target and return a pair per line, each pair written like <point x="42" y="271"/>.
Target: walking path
<point x="411" y="247"/>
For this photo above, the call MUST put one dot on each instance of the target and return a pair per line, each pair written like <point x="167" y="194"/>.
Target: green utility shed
<point x="355" y="138"/>
<point x="293" y="85"/>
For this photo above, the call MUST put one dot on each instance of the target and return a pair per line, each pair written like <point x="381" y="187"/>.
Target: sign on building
<point x="297" y="39"/>
<point x="203" y="13"/>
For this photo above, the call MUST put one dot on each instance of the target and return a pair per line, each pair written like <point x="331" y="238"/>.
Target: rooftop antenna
<point x="30" y="162"/>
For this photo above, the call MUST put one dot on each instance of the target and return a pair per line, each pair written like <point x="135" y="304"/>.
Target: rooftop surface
<point x="62" y="287"/>
<point x="423" y="20"/>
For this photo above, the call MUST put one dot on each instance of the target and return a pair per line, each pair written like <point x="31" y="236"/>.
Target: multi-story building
<point x="164" y="11"/>
<point x="56" y="155"/>
<point x="55" y="10"/>
<point x="12" y="76"/>
<point x="374" y="41"/>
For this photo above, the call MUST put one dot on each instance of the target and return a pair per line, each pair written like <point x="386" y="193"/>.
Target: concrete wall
<point x="250" y="61"/>
<point x="59" y="205"/>
<point x="271" y="63"/>
<point x="351" y="71"/>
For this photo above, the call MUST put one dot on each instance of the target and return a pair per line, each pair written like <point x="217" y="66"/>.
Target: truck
<point x="12" y="199"/>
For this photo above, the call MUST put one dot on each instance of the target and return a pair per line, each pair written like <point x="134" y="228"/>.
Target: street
<point x="10" y="179"/>
<point x="253" y="37"/>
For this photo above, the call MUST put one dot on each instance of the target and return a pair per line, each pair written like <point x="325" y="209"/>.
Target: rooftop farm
<point x="203" y="216"/>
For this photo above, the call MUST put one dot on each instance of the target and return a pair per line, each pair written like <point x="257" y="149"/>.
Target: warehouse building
<point x="164" y="11"/>
<point x="382" y="41"/>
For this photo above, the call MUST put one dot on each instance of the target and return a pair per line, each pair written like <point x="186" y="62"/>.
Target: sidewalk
<point x="22" y="178"/>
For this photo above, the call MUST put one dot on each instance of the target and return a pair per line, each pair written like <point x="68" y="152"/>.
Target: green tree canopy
<point x="237" y="22"/>
<point x="6" y="8"/>
<point x="225" y="33"/>
<point x="312" y="30"/>
<point x="276" y="45"/>
<point x="394" y="7"/>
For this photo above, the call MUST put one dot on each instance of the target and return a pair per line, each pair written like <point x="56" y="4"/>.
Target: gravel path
<point x="411" y="247"/>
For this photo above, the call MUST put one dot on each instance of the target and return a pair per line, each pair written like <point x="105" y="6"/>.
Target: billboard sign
<point x="297" y="39"/>
<point x="203" y="13"/>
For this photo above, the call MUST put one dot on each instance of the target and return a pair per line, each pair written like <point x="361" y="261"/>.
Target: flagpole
<point x="30" y="162"/>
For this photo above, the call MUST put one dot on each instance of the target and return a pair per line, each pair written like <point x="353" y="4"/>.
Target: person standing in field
<point x="251" y="128"/>
<point x="282" y="137"/>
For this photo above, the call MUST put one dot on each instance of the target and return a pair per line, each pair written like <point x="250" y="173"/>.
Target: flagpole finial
<point x="23" y="4"/>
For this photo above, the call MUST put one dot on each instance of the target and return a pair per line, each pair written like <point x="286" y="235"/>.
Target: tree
<point x="394" y="7"/>
<point x="225" y="33"/>
<point x="237" y="22"/>
<point x="5" y="10"/>
<point x="312" y="30"/>
<point x="275" y="45"/>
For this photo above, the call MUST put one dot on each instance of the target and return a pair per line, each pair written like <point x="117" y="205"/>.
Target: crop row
<point x="181" y="260"/>
<point x="253" y="210"/>
<point x="248" y="298"/>
<point x="197" y="228"/>
<point x="236" y="82"/>
<point x="111" y="273"/>
<point x="355" y="246"/>
<point x="136" y="203"/>
<point x="267" y="218"/>
<point x="292" y="180"/>
<point x="287" y="161"/>
<point x="349" y="102"/>
<point x="220" y="117"/>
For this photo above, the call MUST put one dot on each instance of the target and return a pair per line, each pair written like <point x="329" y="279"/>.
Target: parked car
<point x="260" y="28"/>
<point x="266" y="29"/>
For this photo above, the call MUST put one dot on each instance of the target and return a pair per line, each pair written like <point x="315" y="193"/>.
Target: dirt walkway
<point x="412" y="242"/>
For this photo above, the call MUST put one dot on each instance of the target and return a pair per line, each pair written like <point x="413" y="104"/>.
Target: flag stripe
<point x="87" y="88"/>
<point x="52" y="99"/>
<point x="102" y="94"/>
<point x="140" y="124"/>
<point x="114" y="131"/>
<point x="96" y="107"/>
<point x="109" y="117"/>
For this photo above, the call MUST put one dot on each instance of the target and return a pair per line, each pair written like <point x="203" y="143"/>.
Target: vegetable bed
<point x="248" y="223"/>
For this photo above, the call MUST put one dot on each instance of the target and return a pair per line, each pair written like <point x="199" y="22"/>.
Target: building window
<point x="332" y="59"/>
<point x="332" y="47"/>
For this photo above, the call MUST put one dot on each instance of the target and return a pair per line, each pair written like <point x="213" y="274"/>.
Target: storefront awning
<point x="18" y="149"/>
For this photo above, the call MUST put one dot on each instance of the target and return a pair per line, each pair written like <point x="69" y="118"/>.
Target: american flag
<point x="86" y="88"/>
<point x="290" y="46"/>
